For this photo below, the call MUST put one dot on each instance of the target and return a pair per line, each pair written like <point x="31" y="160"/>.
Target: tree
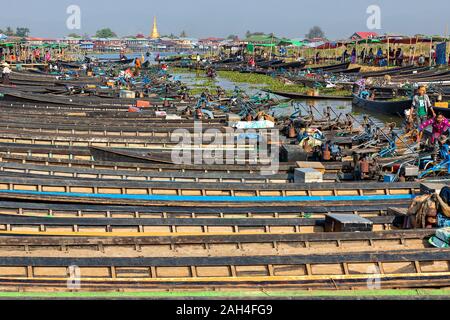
<point x="22" y="32"/>
<point x="105" y="33"/>
<point x="9" y="32"/>
<point x="183" y="34"/>
<point x="248" y="34"/>
<point x="315" y="32"/>
<point x="74" y="35"/>
<point x="172" y="36"/>
<point x="233" y="37"/>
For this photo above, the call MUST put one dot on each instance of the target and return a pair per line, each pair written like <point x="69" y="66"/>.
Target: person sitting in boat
<point x="365" y="94"/>
<point x="421" y="106"/>
<point x="137" y="63"/>
<point x="440" y="125"/>
<point x="421" y="60"/>
<point x="5" y="74"/>
<point x="122" y="57"/>
<point x="251" y="62"/>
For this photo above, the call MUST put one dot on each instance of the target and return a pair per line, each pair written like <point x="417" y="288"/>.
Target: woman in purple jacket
<point x="439" y="124"/>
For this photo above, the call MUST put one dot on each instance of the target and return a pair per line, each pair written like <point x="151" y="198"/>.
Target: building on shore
<point x="364" y="35"/>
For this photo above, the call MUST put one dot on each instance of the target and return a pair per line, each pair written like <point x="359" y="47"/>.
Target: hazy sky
<point x="201" y="18"/>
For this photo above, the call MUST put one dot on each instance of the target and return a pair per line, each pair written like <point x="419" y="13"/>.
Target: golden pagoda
<point x="155" y="33"/>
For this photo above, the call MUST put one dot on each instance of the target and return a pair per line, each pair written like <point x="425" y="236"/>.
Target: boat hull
<point x="386" y="107"/>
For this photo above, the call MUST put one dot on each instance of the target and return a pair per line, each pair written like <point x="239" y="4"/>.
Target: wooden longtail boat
<point x="82" y="157"/>
<point x="148" y="227"/>
<point x="339" y="66"/>
<point x="153" y="193"/>
<point x="64" y="172"/>
<point x="387" y="107"/>
<point x="294" y="95"/>
<point x="344" y="270"/>
<point x="65" y="210"/>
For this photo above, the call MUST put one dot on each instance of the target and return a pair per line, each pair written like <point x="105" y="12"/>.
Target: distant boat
<point x="295" y="95"/>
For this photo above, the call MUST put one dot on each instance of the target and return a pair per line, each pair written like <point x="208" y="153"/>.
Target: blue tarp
<point x="441" y="53"/>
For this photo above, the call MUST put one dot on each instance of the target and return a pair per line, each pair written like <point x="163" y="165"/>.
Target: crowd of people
<point x="387" y="57"/>
<point x="30" y="55"/>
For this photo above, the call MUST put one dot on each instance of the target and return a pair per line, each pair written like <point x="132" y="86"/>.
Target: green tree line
<point x="19" y="32"/>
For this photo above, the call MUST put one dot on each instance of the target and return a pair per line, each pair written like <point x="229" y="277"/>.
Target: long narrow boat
<point x="294" y="95"/>
<point x="391" y="71"/>
<point x="64" y="172"/>
<point x="200" y="194"/>
<point x="175" y="141"/>
<point x="416" y="268"/>
<point x="147" y="227"/>
<point x="124" y="131"/>
<point x="82" y="157"/>
<point x="122" y="211"/>
<point x="33" y="243"/>
<point x="396" y="108"/>
<point x="339" y="66"/>
<point x="288" y="65"/>
<point x="53" y="99"/>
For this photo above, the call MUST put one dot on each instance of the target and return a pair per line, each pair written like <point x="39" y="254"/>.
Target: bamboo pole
<point x="430" y="55"/>
<point x="447" y="49"/>
<point x="388" y="51"/>
<point x="415" y="49"/>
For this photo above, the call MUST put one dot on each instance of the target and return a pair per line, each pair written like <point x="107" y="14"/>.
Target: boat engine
<point x="331" y="152"/>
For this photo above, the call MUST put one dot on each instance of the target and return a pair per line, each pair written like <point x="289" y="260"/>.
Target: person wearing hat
<point x="5" y="74"/>
<point x="421" y="106"/>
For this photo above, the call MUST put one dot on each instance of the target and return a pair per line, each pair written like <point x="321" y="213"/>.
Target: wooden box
<point x="347" y="223"/>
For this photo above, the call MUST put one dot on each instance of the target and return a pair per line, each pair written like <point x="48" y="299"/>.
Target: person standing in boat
<point x="400" y="58"/>
<point x="5" y="74"/>
<point x="362" y="56"/>
<point x="379" y="57"/>
<point x="353" y="56"/>
<point x="421" y="106"/>
<point x="344" y="56"/>
<point x="371" y="57"/>
<point x="439" y="124"/>
<point x="433" y="56"/>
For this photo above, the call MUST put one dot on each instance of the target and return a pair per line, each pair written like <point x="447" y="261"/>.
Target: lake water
<point x="339" y="106"/>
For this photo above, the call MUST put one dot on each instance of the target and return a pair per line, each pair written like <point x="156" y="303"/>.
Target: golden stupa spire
<point x="155" y="33"/>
